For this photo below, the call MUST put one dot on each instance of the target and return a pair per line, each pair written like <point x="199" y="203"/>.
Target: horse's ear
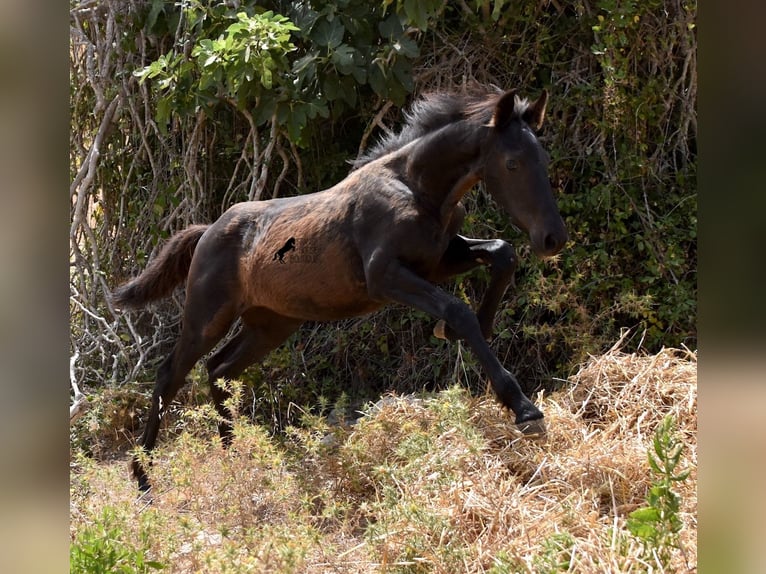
<point x="535" y="113"/>
<point x="504" y="110"/>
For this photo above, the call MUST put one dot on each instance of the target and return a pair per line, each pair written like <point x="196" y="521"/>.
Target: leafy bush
<point x="200" y="105"/>
<point x="101" y="548"/>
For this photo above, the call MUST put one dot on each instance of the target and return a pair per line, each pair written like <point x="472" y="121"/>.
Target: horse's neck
<point x="444" y="165"/>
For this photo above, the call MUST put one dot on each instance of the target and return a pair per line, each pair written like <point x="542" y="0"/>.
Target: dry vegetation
<point x="435" y="484"/>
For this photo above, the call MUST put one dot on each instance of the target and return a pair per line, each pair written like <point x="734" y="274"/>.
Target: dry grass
<point x="439" y="484"/>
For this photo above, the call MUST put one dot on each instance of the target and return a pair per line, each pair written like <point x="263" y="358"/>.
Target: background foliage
<point x="180" y="109"/>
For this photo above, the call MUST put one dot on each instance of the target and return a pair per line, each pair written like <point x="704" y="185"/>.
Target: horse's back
<point x="296" y="256"/>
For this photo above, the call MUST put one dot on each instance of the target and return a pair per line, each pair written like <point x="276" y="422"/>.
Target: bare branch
<point x="82" y="182"/>
<point x="78" y="407"/>
<point x="264" y="162"/>
<point x="377" y="122"/>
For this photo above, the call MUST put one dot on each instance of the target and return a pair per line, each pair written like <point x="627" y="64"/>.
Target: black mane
<point x="434" y="111"/>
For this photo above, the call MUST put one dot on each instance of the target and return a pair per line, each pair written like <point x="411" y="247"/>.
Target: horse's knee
<point x="504" y="259"/>
<point x="212" y="365"/>
<point x="504" y="252"/>
<point x="460" y="318"/>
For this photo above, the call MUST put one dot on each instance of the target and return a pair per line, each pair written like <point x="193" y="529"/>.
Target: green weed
<point x="657" y="525"/>
<point x="102" y="548"/>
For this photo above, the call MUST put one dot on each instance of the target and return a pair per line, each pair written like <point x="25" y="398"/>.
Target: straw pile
<point x="437" y="484"/>
<point x="556" y="504"/>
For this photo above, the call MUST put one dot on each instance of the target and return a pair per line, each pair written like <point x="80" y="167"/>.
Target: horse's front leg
<point x="389" y="280"/>
<point x="465" y="254"/>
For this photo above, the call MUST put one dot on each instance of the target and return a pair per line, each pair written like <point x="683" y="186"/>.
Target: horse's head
<point x="516" y="172"/>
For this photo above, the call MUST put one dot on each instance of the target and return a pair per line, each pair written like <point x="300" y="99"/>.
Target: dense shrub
<point x="188" y="113"/>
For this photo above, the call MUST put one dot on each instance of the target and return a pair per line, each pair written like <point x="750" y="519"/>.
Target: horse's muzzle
<point x="550" y="241"/>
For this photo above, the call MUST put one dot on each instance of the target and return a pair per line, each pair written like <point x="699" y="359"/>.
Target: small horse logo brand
<point x="288" y="246"/>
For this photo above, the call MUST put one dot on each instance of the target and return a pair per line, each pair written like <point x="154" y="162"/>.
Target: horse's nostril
<point x="552" y="243"/>
<point x="549" y="243"/>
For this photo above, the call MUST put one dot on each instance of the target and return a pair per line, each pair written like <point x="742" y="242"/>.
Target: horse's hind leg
<point x="261" y="332"/>
<point x="464" y="254"/>
<point x="203" y="327"/>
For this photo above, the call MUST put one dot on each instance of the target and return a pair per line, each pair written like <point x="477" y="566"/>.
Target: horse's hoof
<point x="533" y="429"/>
<point x="145" y="497"/>
<point x="440" y="330"/>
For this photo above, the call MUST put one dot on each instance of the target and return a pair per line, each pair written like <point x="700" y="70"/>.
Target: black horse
<point x="385" y="234"/>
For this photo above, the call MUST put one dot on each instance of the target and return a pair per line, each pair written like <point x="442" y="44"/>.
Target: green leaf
<point x="266" y="76"/>
<point x="305" y="70"/>
<point x="377" y="81"/>
<point x="496" y="11"/>
<point x="391" y="27"/>
<point x="343" y="58"/>
<point x="654" y="465"/>
<point x="642" y="522"/>
<point x="296" y="121"/>
<point x="642" y="530"/>
<point x="318" y="108"/>
<point x="347" y="90"/>
<point x="416" y="12"/>
<point x="681" y="476"/>
<point x="206" y="44"/>
<point x="406" y="47"/>
<point x="157" y="7"/>
<point x="302" y="63"/>
<point x="328" y="34"/>
<point x="360" y="74"/>
<point x="645" y="514"/>
<point x="236" y="27"/>
<point x="265" y="110"/>
<point x="403" y="72"/>
<point x="164" y="106"/>
<point x="305" y="18"/>
<point x="331" y="88"/>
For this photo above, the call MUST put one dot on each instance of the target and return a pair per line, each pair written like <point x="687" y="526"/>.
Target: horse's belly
<point x="309" y="281"/>
<point x="300" y="259"/>
<point x="314" y="296"/>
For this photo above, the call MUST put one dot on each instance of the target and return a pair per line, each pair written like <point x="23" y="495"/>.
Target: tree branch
<point x="80" y="404"/>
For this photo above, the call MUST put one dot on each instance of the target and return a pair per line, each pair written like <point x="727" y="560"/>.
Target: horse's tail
<point x="163" y="273"/>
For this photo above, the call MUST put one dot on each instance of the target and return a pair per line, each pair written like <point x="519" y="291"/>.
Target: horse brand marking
<point x="288" y="246"/>
<point x="309" y="253"/>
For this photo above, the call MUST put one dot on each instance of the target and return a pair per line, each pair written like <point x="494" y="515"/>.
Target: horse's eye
<point x="512" y="164"/>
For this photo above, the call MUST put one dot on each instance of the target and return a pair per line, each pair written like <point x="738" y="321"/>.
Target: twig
<point x="84" y="178"/>
<point x="78" y="407"/>
<point x="256" y="191"/>
<point x="377" y="121"/>
<point x="282" y="174"/>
